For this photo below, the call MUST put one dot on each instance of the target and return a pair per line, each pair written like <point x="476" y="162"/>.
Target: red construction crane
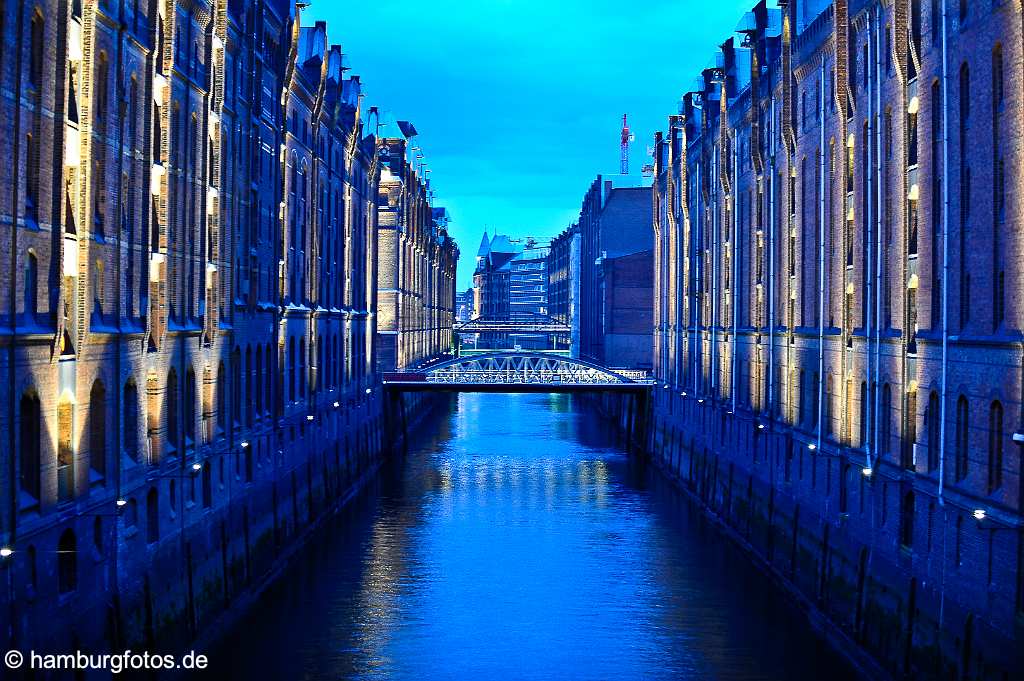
<point x="626" y="139"/>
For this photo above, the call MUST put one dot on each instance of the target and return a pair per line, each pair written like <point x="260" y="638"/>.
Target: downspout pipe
<point x="734" y="291"/>
<point x="714" y="179"/>
<point x="821" y="255"/>
<point x="771" y="266"/>
<point x="880" y="179"/>
<point x="872" y="376"/>
<point x="945" y="262"/>
<point x="697" y="261"/>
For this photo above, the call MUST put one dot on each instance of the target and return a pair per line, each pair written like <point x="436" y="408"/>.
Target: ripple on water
<point x="516" y="540"/>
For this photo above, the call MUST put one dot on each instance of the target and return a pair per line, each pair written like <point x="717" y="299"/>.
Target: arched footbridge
<point x="518" y="372"/>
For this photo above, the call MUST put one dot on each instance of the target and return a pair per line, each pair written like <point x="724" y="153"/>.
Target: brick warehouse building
<point x="188" y="310"/>
<point x="838" y="211"/>
<point x="564" y="287"/>
<point x="615" y="273"/>
<point x="416" y="277"/>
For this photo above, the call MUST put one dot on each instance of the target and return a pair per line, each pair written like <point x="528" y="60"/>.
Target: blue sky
<point x="518" y="104"/>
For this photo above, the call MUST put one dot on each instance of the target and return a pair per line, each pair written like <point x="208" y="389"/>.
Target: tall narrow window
<point x="863" y="441"/>
<point x="29" y="445"/>
<point x="65" y="450"/>
<point x="907" y="519"/>
<point x="67" y="562"/>
<point x="98" y="428"/>
<point x="936" y="205"/>
<point x="36" y="51"/>
<point x="269" y="376"/>
<point x="131" y="420"/>
<point x="102" y="90"/>
<point x="885" y="425"/>
<point x="236" y="387"/>
<point x="909" y="431"/>
<point x="291" y="369"/>
<point x="152" y="516"/>
<point x="995" y="447"/>
<point x="190" y="407"/>
<point x="248" y="385"/>
<point x="962" y="439"/>
<point x="965" y="194"/>
<point x="302" y="368"/>
<point x="998" y="192"/>
<point x="222" y="399"/>
<point x="31" y="287"/>
<point x="32" y="180"/>
<point x="173" y="419"/>
<point x="934" y="446"/>
<point x="258" y="381"/>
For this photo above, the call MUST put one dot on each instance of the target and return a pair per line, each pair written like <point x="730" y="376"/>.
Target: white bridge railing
<point x="529" y="369"/>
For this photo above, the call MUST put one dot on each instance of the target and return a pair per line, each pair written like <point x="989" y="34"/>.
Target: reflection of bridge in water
<point x="518" y="372"/>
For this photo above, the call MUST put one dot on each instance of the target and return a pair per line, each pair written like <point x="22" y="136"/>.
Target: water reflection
<point x="518" y="541"/>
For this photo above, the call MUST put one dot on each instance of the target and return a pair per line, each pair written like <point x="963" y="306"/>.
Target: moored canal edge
<point x="755" y="484"/>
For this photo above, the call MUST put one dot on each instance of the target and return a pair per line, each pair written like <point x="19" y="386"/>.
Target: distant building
<point x="564" y="287"/>
<point x="464" y="305"/>
<point x="616" y="273"/>
<point x="491" y="281"/>
<point x="528" y="294"/>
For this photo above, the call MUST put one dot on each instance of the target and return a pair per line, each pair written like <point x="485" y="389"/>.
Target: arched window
<point x="65" y="449"/>
<point x="222" y="399"/>
<point x="32" y="180"/>
<point x="995" y="447"/>
<point x="98" y="427"/>
<point x="907" y="519"/>
<point x="910" y="431"/>
<point x="269" y="377"/>
<point x="133" y="113"/>
<point x="257" y="381"/>
<point x="962" y="439"/>
<point x="36" y="51"/>
<point x="97" y="289"/>
<point x="173" y="420"/>
<point x="248" y="385"/>
<point x="31" y="287"/>
<point x="30" y="428"/>
<point x="885" y="426"/>
<point x="102" y="90"/>
<point x="131" y="420"/>
<point x="190" y="406"/>
<point x="67" y="562"/>
<point x="934" y="446"/>
<point x="97" y="535"/>
<point x="302" y="367"/>
<point x="291" y="369"/>
<point x="863" y="414"/>
<point x="152" y="516"/>
<point x="236" y="386"/>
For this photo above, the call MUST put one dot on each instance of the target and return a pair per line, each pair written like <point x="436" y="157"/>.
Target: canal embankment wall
<point x="829" y="536"/>
<point x="180" y="570"/>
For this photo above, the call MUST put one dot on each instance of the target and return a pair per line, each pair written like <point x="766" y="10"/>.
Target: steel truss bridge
<point x="534" y="323"/>
<point x="518" y="372"/>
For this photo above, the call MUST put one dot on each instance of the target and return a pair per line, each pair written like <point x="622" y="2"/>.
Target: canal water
<point x="516" y="540"/>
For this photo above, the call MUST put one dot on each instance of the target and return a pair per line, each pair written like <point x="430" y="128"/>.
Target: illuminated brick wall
<point x="837" y="273"/>
<point x="189" y="212"/>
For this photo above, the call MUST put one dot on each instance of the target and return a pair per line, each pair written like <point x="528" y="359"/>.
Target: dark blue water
<point x="517" y="541"/>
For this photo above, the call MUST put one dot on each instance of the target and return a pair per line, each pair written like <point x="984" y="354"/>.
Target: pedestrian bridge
<point x="517" y="372"/>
